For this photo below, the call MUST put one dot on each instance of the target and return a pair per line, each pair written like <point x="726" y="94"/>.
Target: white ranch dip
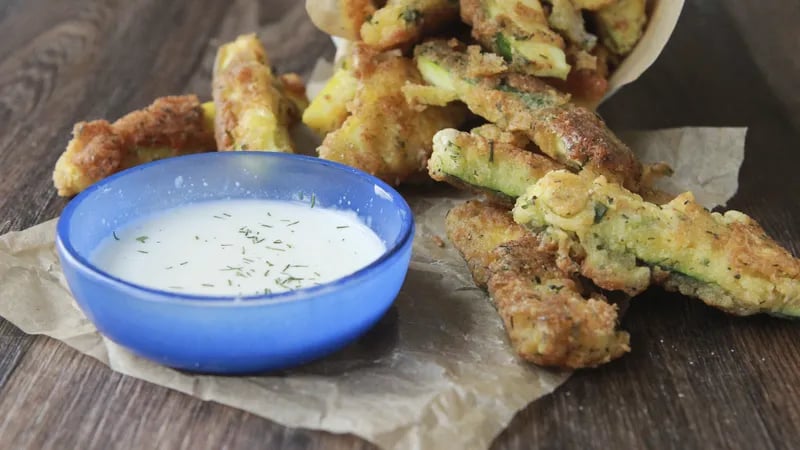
<point x="239" y="247"/>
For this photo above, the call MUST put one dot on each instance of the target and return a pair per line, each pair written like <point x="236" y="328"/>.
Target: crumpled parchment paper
<point x="436" y="372"/>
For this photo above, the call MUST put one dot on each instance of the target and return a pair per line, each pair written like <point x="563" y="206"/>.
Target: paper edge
<point x="660" y="26"/>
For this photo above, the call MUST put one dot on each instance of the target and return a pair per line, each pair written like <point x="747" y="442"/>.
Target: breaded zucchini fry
<point x="621" y="24"/>
<point x="726" y="260"/>
<point x="417" y="94"/>
<point x="403" y="22"/>
<point x="550" y="318"/>
<point x="587" y="82"/>
<point x="384" y="135"/>
<point x="292" y="87"/>
<point x="477" y="228"/>
<point x="328" y="110"/>
<point x="494" y="133"/>
<point x="254" y="108"/>
<point x="567" y="19"/>
<point x="518" y="31"/>
<point x="342" y="18"/>
<point x="592" y="5"/>
<point x="171" y="126"/>
<point x="572" y="135"/>
<point x="501" y="170"/>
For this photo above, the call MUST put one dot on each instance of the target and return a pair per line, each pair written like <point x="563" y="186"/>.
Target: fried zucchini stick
<point x="570" y="134"/>
<point x="477" y="228"/>
<point x="726" y="260"/>
<point x="592" y="5"/>
<point x="497" y="163"/>
<point x="551" y="319"/>
<point x="328" y="110"/>
<point x="171" y="126"/>
<point x="254" y="108"/>
<point x="494" y="133"/>
<point x="621" y="24"/>
<point x="566" y="18"/>
<point x="518" y="31"/>
<point x="402" y="22"/>
<point x="492" y="166"/>
<point x="343" y="18"/>
<point x="384" y="135"/>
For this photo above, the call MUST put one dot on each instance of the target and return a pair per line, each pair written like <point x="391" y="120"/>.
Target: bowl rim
<point x="65" y="247"/>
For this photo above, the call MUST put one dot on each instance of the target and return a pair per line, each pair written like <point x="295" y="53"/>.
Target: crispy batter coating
<point x="293" y="88"/>
<point x="493" y="162"/>
<point x="550" y="318"/>
<point x="567" y="18"/>
<point x="402" y="22"/>
<point x="354" y="13"/>
<point x="494" y="133"/>
<point x="621" y="24"/>
<point x="496" y="168"/>
<point x="384" y="135"/>
<point x="587" y="82"/>
<point x="518" y="31"/>
<point x="570" y="134"/>
<point x="382" y="25"/>
<point x="592" y="5"/>
<point x="342" y="18"/>
<point x="254" y="108"/>
<point x="477" y="228"/>
<point x="587" y="86"/>
<point x="726" y="260"/>
<point x="328" y="110"/>
<point x="171" y="126"/>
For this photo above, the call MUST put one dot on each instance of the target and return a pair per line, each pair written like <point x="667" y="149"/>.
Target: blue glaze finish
<point x="222" y="334"/>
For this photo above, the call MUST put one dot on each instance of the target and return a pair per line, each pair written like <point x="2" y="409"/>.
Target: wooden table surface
<point x="696" y="378"/>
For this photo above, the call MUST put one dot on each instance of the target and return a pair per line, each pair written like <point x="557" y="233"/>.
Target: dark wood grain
<point x="696" y="378"/>
<point x="84" y="405"/>
<point x="769" y="32"/>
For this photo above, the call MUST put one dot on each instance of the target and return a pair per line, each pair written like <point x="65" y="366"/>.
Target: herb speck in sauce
<point x="288" y="257"/>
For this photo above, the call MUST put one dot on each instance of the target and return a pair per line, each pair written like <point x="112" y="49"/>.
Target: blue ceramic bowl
<point x="223" y="334"/>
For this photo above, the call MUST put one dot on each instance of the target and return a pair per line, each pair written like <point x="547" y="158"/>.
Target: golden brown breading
<point x="568" y="20"/>
<point x="254" y="108"/>
<point x="342" y="18"/>
<point x="384" y="135"/>
<point x="403" y="22"/>
<point x="726" y="260"/>
<point x="382" y="25"/>
<point x="293" y="88"/>
<point x="493" y="162"/>
<point x="587" y="82"/>
<point x="493" y="133"/>
<point x="519" y="32"/>
<point x="171" y="126"/>
<point x="592" y="5"/>
<point x="354" y="13"/>
<point x="587" y="86"/>
<point x="500" y="170"/>
<point x="476" y="228"/>
<point x="621" y="24"/>
<point x="570" y="134"/>
<point x="328" y="110"/>
<point x="551" y="319"/>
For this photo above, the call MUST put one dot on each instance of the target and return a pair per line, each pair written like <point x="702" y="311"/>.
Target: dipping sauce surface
<point x="239" y="248"/>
